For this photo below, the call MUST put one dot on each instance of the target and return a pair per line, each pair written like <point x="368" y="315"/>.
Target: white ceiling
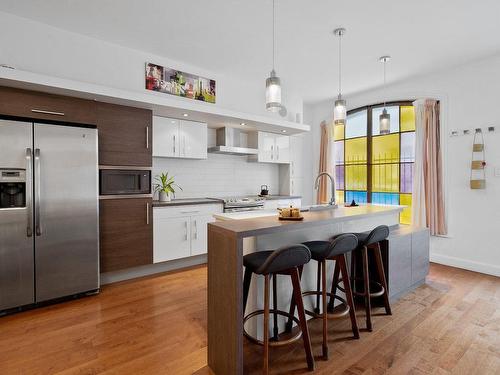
<point x="234" y="37"/>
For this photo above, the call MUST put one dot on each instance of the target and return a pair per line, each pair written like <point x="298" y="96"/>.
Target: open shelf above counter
<point x="161" y="104"/>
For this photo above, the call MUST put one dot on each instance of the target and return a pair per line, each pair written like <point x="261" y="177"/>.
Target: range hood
<point x="228" y="142"/>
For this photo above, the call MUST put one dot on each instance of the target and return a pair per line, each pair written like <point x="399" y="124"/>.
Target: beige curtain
<point x="325" y="162"/>
<point x="428" y="199"/>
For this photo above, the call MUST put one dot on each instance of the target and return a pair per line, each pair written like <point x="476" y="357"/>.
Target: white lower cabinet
<point x="181" y="231"/>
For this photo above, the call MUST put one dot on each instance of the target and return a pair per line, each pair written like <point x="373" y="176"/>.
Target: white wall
<point x="219" y="175"/>
<point x="469" y="98"/>
<point x="36" y="47"/>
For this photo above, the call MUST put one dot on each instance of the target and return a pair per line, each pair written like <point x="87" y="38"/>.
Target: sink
<point x="319" y="207"/>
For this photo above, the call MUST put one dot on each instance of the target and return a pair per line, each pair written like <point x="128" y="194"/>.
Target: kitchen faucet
<point x="316" y="185"/>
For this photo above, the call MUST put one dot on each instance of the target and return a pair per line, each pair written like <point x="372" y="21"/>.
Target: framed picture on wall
<point x="175" y="82"/>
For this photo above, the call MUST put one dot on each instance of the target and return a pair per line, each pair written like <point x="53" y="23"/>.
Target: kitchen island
<point x="235" y="234"/>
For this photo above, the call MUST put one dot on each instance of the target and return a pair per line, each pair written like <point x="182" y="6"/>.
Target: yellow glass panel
<point x="385" y="149"/>
<point x="355" y="151"/>
<point x="339" y="132"/>
<point x="407" y="118"/>
<point x="385" y="178"/>
<point x="405" y="215"/>
<point x="339" y="196"/>
<point x="355" y="177"/>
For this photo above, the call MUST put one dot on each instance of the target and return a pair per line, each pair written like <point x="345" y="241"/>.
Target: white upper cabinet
<point x="273" y="148"/>
<point x="165" y="137"/>
<point x="193" y="139"/>
<point x="174" y="138"/>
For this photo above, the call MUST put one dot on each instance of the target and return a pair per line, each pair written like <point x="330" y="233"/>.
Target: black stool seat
<point x="255" y="260"/>
<point x="335" y="250"/>
<point x="288" y="260"/>
<point x="378" y="234"/>
<point x="370" y="241"/>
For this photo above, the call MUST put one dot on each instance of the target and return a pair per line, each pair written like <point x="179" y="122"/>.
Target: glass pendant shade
<point x="273" y="93"/>
<point x="339" y="112"/>
<point x="385" y="122"/>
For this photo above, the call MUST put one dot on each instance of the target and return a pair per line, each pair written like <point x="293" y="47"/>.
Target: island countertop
<point x="252" y="223"/>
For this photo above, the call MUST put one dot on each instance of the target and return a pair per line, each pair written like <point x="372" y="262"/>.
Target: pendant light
<point x="385" y="118"/>
<point x="339" y="109"/>
<point x="273" y="83"/>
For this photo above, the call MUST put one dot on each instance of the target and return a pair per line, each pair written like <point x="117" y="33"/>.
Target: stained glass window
<point x="375" y="168"/>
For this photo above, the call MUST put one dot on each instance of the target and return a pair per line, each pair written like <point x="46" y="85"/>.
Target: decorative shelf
<point x="478" y="162"/>
<point x="161" y="104"/>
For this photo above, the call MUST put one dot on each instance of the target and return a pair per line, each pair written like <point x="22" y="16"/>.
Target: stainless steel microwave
<point x="124" y="181"/>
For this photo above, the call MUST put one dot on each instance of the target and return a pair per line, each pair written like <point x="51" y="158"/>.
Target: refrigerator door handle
<point x="29" y="193"/>
<point x="38" y="227"/>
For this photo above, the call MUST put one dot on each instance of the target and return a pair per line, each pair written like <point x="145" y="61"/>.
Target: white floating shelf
<point x="161" y="104"/>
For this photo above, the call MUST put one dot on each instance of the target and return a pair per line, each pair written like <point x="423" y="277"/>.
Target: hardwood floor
<point x="157" y="325"/>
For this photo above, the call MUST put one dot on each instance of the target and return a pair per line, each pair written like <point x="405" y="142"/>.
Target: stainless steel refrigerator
<point x="49" y="228"/>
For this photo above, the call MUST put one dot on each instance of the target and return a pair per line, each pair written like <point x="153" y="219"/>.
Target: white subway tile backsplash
<point x="218" y="176"/>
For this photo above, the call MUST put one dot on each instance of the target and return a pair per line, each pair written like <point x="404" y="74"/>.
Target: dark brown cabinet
<point x="43" y="106"/>
<point x="126" y="233"/>
<point x="125" y="135"/>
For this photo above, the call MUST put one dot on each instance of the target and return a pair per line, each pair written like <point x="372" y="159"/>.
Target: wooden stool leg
<point x="353" y="270"/>
<point x="325" y="309"/>
<point x="265" y="366"/>
<point x="297" y="292"/>
<point x="335" y="281"/>
<point x="246" y="287"/>
<point x="348" y="293"/>
<point x="366" y="277"/>
<point x="289" y="323"/>
<point x="275" y="308"/>
<point x="381" y="275"/>
<point x="318" y="286"/>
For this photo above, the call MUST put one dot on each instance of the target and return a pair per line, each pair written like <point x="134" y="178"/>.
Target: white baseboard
<point x="489" y="269"/>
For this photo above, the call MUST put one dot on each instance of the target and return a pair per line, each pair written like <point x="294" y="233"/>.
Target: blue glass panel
<point x="393" y="111"/>
<point x="339" y="152"/>
<point x="356" y="124"/>
<point x="385" y="198"/>
<point x="358" y="196"/>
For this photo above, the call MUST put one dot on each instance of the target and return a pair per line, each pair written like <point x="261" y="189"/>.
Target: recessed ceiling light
<point x="185" y="114"/>
<point x="242" y="123"/>
<point x="283" y="131"/>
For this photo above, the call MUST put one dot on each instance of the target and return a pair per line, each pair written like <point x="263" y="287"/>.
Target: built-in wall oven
<point x="124" y="181"/>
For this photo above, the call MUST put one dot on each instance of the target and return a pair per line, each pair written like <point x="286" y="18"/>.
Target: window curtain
<point x="325" y="162"/>
<point x="428" y="204"/>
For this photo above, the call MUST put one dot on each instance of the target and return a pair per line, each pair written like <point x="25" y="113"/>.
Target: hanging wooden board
<point x="478" y="162"/>
<point x="478" y="184"/>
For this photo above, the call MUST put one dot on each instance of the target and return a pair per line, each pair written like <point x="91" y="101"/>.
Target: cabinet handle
<point x="147" y="213"/>
<point x="272" y="152"/>
<point x="292" y="188"/>
<point x="293" y="168"/>
<point x="195" y="230"/>
<point x="147" y="137"/>
<point x="47" y="112"/>
<point x="189" y="212"/>
<point x="277" y="152"/>
<point x="186" y="229"/>
<point x="174" y="144"/>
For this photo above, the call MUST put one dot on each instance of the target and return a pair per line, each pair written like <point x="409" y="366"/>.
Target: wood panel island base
<point x="406" y="259"/>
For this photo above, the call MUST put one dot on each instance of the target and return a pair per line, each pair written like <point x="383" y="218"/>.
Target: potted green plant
<point x="164" y="185"/>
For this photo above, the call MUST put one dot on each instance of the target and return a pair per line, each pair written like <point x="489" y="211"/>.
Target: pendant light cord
<point x="340" y="65"/>
<point x="274" y="32"/>
<point x="385" y="86"/>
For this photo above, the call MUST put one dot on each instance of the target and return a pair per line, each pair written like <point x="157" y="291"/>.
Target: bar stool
<point x="335" y="250"/>
<point x="371" y="240"/>
<point x="289" y="261"/>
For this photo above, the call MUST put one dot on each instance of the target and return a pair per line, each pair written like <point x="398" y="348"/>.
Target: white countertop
<point x="246" y="214"/>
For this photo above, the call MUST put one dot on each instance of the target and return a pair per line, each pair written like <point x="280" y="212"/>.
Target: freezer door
<point x="16" y="239"/>
<point x="66" y="211"/>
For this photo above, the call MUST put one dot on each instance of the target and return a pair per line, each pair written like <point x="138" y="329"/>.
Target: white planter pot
<point x="164" y="197"/>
